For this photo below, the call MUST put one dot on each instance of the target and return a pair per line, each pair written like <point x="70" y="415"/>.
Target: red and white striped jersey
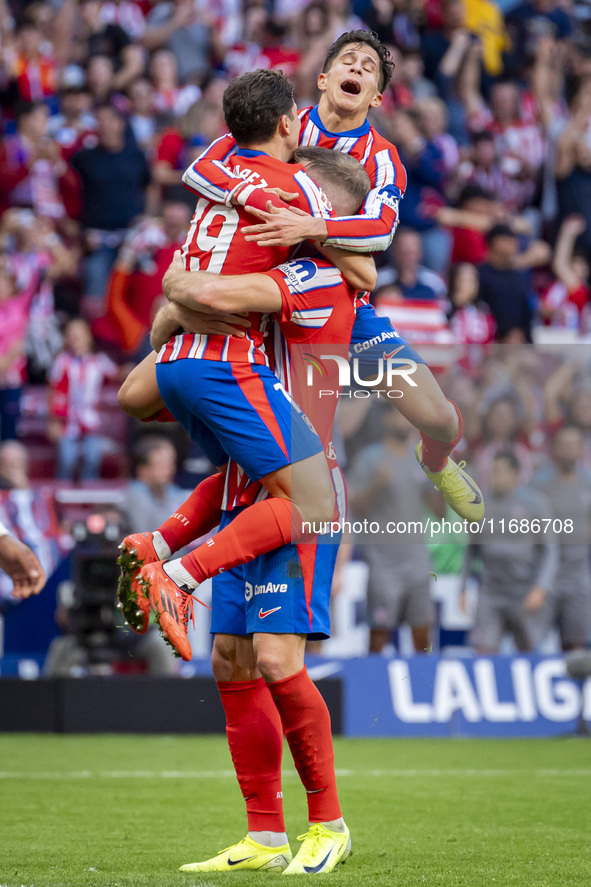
<point x="215" y="243"/>
<point x="386" y="172"/>
<point x="316" y="319"/>
<point x="209" y="177"/>
<point x="75" y="387"/>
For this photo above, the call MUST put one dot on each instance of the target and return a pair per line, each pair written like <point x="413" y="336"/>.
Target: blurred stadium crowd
<point x="104" y="104"/>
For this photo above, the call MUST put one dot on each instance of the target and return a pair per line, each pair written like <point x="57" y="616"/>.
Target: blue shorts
<point x="239" y="411"/>
<point x="286" y="591"/>
<point x="374" y="337"/>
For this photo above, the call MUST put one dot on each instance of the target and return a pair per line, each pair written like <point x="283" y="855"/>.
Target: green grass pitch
<point x="121" y="811"/>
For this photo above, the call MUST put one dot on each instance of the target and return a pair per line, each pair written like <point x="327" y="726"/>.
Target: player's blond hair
<point x="337" y="169"/>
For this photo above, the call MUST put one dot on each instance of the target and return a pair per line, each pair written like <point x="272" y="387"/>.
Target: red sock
<point x="306" y="724"/>
<point x="255" y="737"/>
<point x="260" y="528"/>
<point x="199" y="514"/>
<point x="435" y="452"/>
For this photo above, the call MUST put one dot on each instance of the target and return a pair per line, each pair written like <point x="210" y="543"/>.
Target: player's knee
<point x="443" y="419"/>
<point x="130" y="400"/>
<point x="272" y="665"/>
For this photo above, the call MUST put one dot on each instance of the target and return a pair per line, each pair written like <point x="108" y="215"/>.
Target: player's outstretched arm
<point x="21" y="564"/>
<point x="369" y="232"/>
<point x="209" y="178"/>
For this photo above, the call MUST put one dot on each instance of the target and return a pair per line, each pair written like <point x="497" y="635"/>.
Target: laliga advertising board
<point x="432" y="696"/>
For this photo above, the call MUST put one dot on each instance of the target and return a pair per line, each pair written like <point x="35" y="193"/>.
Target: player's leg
<point x="275" y="435"/>
<point x="254" y="733"/>
<point x="418" y="606"/>
<point x="199" y="514"/>
<point x="424" y="405"/>
<point x="288" y="600"/>
<point x="489" y="623"/>
<point x="384" y="594"/>
<point x="572" y="599"/>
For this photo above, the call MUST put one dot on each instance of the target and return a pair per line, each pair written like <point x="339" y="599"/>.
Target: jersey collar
<point x="248" y="152"/>
<point x="349" y="134"/>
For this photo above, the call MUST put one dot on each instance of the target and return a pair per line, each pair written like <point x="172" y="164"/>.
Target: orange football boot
<point x="134" y="602"/>
<point x="172" y="606"/>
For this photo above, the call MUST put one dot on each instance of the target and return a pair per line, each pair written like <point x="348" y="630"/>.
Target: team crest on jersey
<point x="386" y="196"/>
<point x="300" y="272"/>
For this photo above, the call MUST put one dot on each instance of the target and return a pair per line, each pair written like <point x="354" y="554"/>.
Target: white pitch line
<point x="229" y="774"/>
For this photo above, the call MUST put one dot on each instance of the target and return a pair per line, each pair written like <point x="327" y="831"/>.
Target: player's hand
<point x="288" y="196"/>
<point x="535" y="600"/>
<point x="23" y="567"/>
<point x="286" y="228"/>
<point x="212" y="324"/>
<point x="256" y="199"/>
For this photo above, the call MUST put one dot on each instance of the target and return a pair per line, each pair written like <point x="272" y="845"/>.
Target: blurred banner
<point x="504" y="696"/>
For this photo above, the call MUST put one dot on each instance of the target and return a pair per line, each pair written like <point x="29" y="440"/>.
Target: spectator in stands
<point x="502" y="431"/>
<point x="573" y="160"/>
<point x="15" y="306"/>
<point x="141" y="116"/>
<point x="471" y="321"/>
<point x="100" y="75"/>
<point x="518" y="140"/>
<point x="566" y="303"/>
<point x="152" y="496"/>
<point x="31" y="166"/>
<point x="187" y="30"/>
<point x="530" y="22"/>
<point x="567" y="399"/>
<point x="406" y="272"/>
<point x="75" y="124"/>
<point x="75" y="387"/>
<point x="568" y="487"/>
<point x="34" y="62"/>
<point x="113" y="176"/>
<point x="168" y="96"/>
<point x="178" y="146"/>
<point x="518" y="572"/>
<point x="383" y="486"/>
<point x="433" y="117"/>
<point x="111" y="41"/>
<point x="135" y="283"/>
<point x="424" y="168"/>
<point x="505" y="283"/>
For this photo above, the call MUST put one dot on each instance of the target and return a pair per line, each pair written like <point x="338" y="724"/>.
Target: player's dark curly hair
<point x="367" y="38"/>
<point x="254" y="103"/>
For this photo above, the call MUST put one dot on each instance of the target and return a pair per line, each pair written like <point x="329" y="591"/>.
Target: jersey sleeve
<point x="308" y="294"/>
<point x="209" y="177"/>
<point x="372" y="231"/>
<point x="312" y="199"/>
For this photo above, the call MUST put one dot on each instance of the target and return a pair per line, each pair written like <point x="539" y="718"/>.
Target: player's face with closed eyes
<point x="352" y="81"/>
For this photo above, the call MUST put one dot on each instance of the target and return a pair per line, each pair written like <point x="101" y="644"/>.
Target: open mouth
<point x="352" y="87"/>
